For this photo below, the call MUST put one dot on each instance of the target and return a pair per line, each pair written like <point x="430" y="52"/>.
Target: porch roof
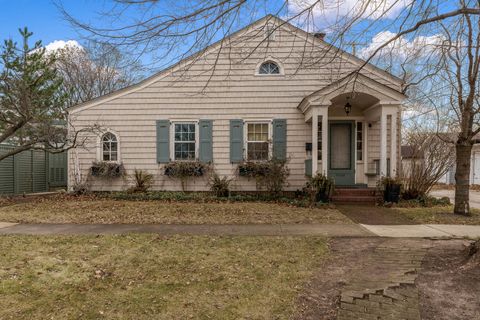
<point x="356" y="83"/>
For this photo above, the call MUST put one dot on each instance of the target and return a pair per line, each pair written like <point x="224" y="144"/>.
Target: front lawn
<point x="67" y="209"/>
<point x="154" y="277"/>
<point x="438" y="215"/>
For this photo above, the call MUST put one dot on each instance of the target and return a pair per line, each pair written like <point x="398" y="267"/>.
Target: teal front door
<point x="341" y="162"/>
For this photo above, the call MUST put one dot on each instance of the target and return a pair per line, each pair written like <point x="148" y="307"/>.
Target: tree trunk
<point x="462" y="178"/>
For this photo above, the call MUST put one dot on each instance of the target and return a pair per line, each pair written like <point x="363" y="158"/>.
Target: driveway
<point x="474" y="196"/>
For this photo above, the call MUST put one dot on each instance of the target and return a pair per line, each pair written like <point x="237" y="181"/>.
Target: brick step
<point x="353" y="199"/>
<point x="355" y="192"/>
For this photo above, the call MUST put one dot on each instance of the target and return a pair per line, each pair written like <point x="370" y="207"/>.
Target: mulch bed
<point x="368" y="214"/>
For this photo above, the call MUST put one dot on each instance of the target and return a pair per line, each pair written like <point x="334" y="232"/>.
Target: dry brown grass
<point x="153" y="277"/>
<point x="439" y="215"/>
<point x="64" y="209"/>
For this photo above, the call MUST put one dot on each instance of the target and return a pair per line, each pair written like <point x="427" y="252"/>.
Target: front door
<point x="341" y="162"/>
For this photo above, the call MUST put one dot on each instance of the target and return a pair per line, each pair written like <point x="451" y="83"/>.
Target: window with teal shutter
<point x="206" y="140"/>
<point x="163" y="141"/>
<point x="236" y="140"/>
<point x="280" y="139"/>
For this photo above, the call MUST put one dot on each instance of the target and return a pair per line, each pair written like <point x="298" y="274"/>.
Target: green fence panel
<point x="39" y="171"/>
<point x="32" y="171"/>
<point x="7" y="185"/>
<point x="23" y="172"/>
<point x="57" y="169"/>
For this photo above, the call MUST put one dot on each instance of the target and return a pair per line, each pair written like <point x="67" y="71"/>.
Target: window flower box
<point x="179" y="169"/>
<point x="107" y="169"/>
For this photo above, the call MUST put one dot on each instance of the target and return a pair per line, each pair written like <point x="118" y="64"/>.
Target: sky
<point x="44" y="19"/>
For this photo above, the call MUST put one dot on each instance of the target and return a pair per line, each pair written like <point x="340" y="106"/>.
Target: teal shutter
<point x="236" y="141"/>
<point x="308" y="167"/>
<point x="163" y="141"/>
<point x="206" y="140"/>
<point x="280" y="139"/>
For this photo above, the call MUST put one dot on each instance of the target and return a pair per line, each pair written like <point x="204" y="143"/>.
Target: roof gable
<point x="269" y="18"/>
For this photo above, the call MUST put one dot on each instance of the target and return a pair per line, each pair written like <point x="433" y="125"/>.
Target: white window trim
<point x="363" y="141"/>
<point x="100" y="146"/>
<point x="172" y="137"/>
<point x="269" y="59"/>
<point x="270" y="137"/>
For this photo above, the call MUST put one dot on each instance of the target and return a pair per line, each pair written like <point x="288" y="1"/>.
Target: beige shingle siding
<point x="232" y="92"/>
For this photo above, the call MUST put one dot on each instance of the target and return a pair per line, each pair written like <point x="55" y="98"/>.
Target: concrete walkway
<point x="329" y="230"/>
<point x="424" y="231"/>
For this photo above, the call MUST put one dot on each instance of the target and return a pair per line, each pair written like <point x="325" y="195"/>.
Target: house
<point x="295" y="96"/>
<point x="409" y="155"/>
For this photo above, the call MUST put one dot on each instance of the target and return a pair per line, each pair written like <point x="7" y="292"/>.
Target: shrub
<point x="143" y="181"/>
<point x="220" y="186"/>
<point x="107" y="169"/>
<point x="424" y="201"/>
<point x="271" y="175"/>
<point x="319" y="188"/>
<point x="200" y="197"/>
<point x="385" y="182"/>
<point x="184" y="170"/>
<point x="431" y="157"/>
<point x="80" y="188"/>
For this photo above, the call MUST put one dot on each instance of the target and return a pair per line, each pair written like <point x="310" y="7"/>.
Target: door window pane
<point x="341" y="148"/>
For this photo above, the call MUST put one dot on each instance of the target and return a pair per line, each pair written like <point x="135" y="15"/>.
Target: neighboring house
<point x="227" y="106"/>
<point x="409" y="157"/>
<point x="449" y="176"/>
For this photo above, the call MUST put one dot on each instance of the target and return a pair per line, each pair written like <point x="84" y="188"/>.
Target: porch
<point x="355" y="131"/>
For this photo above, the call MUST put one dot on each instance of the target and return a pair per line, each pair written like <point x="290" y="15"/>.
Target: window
<point x="269" y="68"/>
<point x="184" y="141"/>
<point x="109" y="147"/>
<point x="319" y="140"/>
<point x="257" y="141"/>
<point x="359" y="141"/>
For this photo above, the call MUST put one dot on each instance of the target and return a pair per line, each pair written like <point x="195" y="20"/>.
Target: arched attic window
<point x="109" y="147"/>
<point x="269" y="67"/>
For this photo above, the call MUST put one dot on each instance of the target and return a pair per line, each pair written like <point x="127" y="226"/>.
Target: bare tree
<point x="460" y="73"/>
<point x="94" y="70"/>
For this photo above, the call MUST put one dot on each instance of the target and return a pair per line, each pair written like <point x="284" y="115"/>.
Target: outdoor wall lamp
<point x="348" y="108"/>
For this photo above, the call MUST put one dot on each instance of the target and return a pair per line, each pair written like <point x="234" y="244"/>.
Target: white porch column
<point x="324" y="114"/>
<point x="365" y="147"/>
<point x="393" y="145"/>
<point x="319" y="111"/>
<point x="314" y="141"/>
<point x="383" y="143"/>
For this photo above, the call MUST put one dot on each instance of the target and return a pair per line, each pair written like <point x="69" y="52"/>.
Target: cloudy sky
<point x="44" y="19"/>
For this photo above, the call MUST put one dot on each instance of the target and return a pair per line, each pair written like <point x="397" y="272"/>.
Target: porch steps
<point x="354" y="195"/>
